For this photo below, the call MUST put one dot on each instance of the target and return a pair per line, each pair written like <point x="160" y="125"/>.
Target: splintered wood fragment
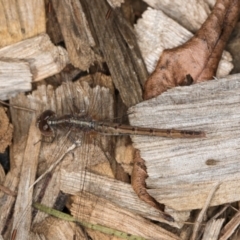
<point x="117" y="43"/>
<point x="15" y="77"/>
<point x="230" y="227"/>
<point x="76" y="33"/>
<point x="22" y="210"/>
<point x="43" y="57"/>
<point x="181" y="172"/>
<point x="213" y="229"/>
<point x="197" y="12"/>
<point x="95" y="227"/>
<point x="20" y="21"/>
<point x="90" y="37"/>
<point x="115" y="191"/>
<point x="169" y="34"/>
<point x="117" y="218"/>
<point x="115" y="3"/>
<point x="203" y="211"/>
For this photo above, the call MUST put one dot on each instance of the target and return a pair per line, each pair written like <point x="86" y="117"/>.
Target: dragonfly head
<point x="42" y="123"/>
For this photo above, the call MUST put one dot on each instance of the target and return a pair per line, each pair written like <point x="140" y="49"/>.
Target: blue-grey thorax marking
<point x="79" y="122"/>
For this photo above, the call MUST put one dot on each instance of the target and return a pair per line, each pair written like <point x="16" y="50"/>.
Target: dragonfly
<point x="85" y="126"/>
<point x="48" y="121"/>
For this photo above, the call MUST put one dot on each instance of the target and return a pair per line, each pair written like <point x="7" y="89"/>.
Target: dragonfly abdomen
<point x="119" y="129"/>
<point x="48" y="121"/>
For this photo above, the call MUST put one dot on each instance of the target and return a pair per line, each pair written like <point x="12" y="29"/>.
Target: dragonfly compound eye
<point x="42" y="123"/>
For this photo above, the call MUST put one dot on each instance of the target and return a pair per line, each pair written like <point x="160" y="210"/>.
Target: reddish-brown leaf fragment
<point x="198" y="57"/>
<point x="139" y="175"/>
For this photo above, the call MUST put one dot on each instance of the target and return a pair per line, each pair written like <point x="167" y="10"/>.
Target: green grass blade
<point x="100" y="228"/>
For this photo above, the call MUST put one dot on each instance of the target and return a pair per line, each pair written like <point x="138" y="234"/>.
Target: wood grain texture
<point x="44" y="58"/>
<point x="22" y="219"/>
<point x="20" y="21"/>
<point x="182" y="172"/>
<point x="117" y="43"/>
<point x="91" y="37"/>
<point x="128" y="222"/>
<point x="119" y="193"/>
<point x="190" y="14"/>
<point x="213" y="229"/>
<point x="15" y="77"/>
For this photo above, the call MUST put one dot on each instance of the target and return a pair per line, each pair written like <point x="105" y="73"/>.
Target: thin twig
<point x="231" y="226"/>
<point x="17" y="107"/>
<point x="7" y="191"/>
<point x="204" y="209"/>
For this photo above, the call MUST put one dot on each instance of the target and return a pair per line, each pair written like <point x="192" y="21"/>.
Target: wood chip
<point x="200" y="217"/>
<point x="180" y="175"/>
<point x="213" y="229"/>
<point x="197" y="11"/>
<point x="230" y="227"/>
<point x="21" y="21"/>
<point x="43" y="57"/>
<point x="127" y="222"/>
<point x="22" y="213"/>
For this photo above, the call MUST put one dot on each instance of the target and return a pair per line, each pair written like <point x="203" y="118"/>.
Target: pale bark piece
<point x="167" y="34"/>
<point x="129" y="223"/>
<point x="115" y="3"/>
<point x="213" y="229"/>
<point x="43" y="57"/>
<point x="20" y="21"/>
<point x="22" y="210"/>
<point x="182" y="171"/>
<point x="112" y="190"/>
<point x="230" y="227"/>
<point x="15" y="77"/>
<point x="190" y="14"/>
<point x="201" y="214"/>
<point x="211" y="3"/>
<point x="76" y="33"/>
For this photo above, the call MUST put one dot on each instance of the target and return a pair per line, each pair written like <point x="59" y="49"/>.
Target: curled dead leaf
<point x="139" y="175"/>
<point x="198" y="57"/>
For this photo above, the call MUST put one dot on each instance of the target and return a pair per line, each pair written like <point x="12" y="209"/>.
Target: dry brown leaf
<point x="139" y="175"/>
<point x="198" y="57"/>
